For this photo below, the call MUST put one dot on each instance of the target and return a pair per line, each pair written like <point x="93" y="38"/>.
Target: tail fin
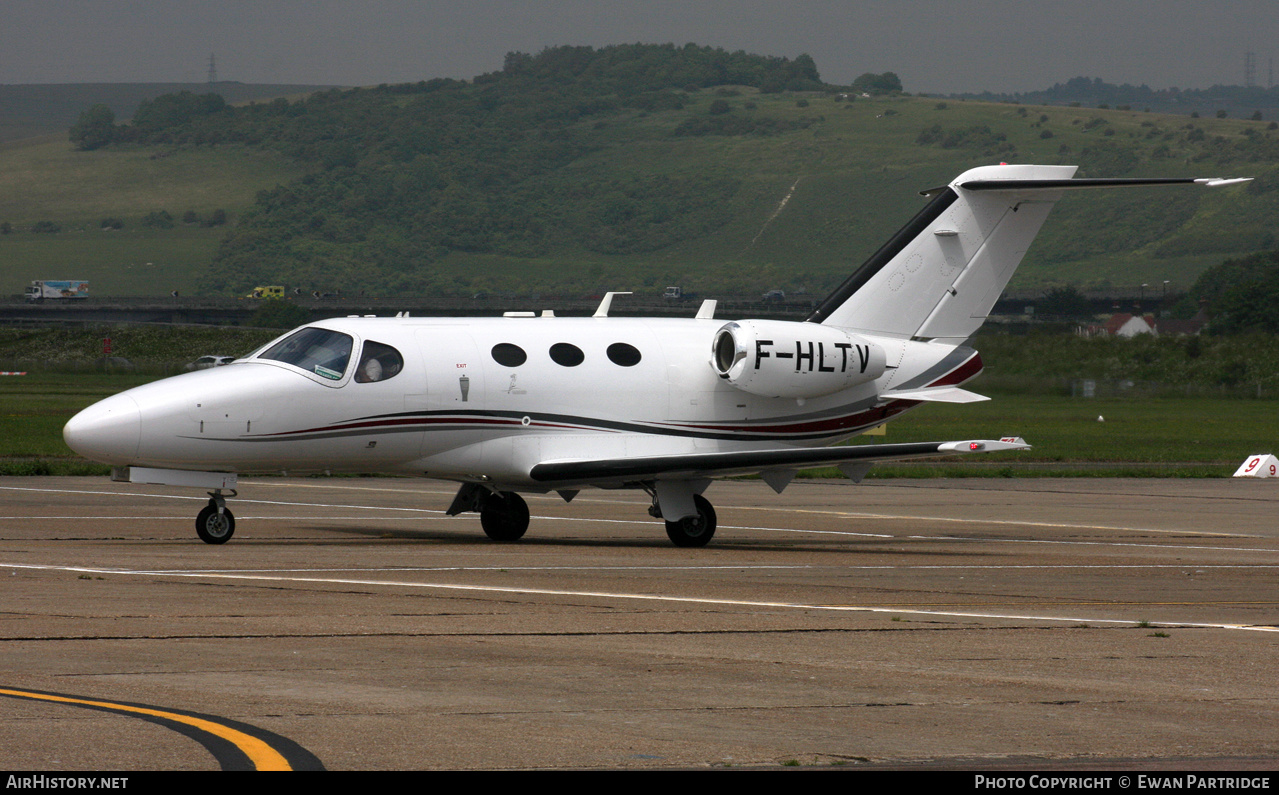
<point x="941" y="274"/>
<point x="939" y="277"/>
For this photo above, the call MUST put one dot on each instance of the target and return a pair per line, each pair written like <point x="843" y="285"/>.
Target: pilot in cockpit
<point x="378" y="362"/>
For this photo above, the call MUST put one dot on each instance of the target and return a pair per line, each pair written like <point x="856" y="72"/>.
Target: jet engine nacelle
<point x="775" y="358"/>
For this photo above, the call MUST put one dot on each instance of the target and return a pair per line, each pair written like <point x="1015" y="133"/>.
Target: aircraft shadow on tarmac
<point x="473" y="537"/>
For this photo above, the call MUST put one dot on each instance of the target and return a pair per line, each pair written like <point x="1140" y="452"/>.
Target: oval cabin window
<point x="623" y="355"/>
<point x="508" y="355"/>
<point x="563" y="353"/>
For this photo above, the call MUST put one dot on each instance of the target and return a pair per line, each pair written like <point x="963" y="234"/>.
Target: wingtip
<point x="985" y="445"/>
<point x="1217" y="182"/>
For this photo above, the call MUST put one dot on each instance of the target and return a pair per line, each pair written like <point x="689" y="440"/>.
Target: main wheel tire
<point x="504" y="516"/>
<point x="214" y="527"/>
<point x="693" y="531"/>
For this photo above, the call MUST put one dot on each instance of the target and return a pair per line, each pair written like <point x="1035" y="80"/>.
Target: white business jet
<point x="539" y="404"/>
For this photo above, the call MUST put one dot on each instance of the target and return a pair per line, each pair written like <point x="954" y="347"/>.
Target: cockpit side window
<point x="317" y="350"/>
<point x="378" y="362"/>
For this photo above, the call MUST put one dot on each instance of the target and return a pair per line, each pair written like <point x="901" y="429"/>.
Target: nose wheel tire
<point x="215" y="527"/>
<point x="693" y="531"/>
<point x="504" y="516"/>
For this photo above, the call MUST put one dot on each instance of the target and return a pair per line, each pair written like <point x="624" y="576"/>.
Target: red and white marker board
<point x="1259" y="466"/>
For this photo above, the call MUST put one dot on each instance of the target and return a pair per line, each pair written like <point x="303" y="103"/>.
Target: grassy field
<point x="33" y="409"/>
<point x="154" y="350"/>
<point x="1162" y="437"/>
<point x="1158" y="437"/>
<point x="46" y="179"/>
<point x="133" y="261"/>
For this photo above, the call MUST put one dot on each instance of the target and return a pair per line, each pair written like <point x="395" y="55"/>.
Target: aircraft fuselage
<point x="488" y="399"/>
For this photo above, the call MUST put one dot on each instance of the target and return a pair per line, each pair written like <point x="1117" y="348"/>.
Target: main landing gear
<point x="504" y="516"/>
<point x="690" y="531"/>
<point x="215" y="524"/>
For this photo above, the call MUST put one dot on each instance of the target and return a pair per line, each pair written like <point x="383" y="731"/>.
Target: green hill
<point x="46" y="180"/>
<point x="29" y="111"/>
<point x="635" y="167"/>
<point x="1241" y="102"/>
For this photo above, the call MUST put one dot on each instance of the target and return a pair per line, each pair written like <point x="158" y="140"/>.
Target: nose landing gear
<point x="215" y="524"/>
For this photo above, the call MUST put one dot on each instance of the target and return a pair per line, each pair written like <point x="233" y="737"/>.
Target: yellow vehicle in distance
<point x="274" y="291"/>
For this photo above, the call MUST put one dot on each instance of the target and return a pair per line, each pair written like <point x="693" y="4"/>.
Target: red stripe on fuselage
<point x="421" y="421"/>
<point x="964" y="372"/>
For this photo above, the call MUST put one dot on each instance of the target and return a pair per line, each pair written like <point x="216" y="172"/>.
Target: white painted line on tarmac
<point x="735" y="567"/>
<point x="849" y="533"/>
<point x="1028" y="523"/>
<point x="240" y="517"/>
<point x="623" y="596"/>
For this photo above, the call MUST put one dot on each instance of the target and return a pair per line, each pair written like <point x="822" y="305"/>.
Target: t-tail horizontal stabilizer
<point x="1079" y="184"/>
<point x="934" y="394"/>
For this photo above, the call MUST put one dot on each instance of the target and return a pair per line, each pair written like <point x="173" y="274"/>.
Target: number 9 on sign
<point x="1258" y="466"/>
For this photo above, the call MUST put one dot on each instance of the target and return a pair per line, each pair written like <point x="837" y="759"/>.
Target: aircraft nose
<point x="108" y="431"/>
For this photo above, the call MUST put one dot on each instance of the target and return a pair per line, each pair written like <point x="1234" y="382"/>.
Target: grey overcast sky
<point x="935" y="46"/>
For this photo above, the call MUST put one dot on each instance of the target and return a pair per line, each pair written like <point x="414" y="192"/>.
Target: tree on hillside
<point x="871" y="83"/>
<point x="172" y="110"/>
<point x="94" y="129"/>
<point x="1241" y="294"/>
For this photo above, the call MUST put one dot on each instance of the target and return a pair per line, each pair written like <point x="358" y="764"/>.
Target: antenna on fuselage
<point x="607" y="302"/>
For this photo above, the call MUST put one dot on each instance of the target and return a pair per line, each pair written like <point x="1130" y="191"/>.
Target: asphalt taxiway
<point x="980" y="622"/>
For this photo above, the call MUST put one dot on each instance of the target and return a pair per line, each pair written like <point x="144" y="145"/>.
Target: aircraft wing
<point x="702" y="465"/>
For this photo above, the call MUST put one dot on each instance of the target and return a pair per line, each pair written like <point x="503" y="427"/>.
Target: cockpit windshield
<point x="317" y="350"/>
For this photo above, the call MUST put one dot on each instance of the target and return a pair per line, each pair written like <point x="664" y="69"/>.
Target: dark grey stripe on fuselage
<point x="931" y="212"/>
<point x="954" y="359"/>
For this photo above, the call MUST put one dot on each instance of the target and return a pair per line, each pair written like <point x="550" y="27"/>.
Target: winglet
<point x="985" y="445"/>
<point x="1217" y="182"/>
